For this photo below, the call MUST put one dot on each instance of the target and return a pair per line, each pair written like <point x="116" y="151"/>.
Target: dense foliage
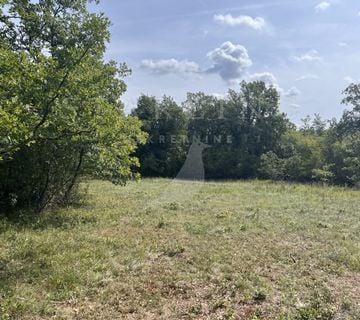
<point x="166" y="124"/>
<point x="60" y="113"/>
<point x="251" y="138"/>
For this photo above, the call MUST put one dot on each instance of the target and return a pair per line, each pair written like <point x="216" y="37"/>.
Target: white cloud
<point x="342" y="44"/>
<point x="322" y="6"/>
<point x="270" y="80"/>
<point x="169" y="66"/>
<point x="292" y="92"/>
<point x="230" y="61"/>
<point x="358" y="14"/>
<point x="308" y="77"/>
<point x="257" y="23"/>
<point x="266" y="77"/>
<point x="310" y="56"/>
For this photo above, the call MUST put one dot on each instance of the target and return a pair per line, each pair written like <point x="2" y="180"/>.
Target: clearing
<point x="162" y="250"/>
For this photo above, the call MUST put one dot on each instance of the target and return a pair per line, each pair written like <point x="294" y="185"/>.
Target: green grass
<point x="227" y="250"/>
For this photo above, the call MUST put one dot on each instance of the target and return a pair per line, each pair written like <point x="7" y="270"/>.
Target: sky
<point x="309" y="50"/>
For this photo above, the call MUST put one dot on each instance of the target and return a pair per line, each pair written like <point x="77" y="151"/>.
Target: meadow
<point x="156" y="249"/>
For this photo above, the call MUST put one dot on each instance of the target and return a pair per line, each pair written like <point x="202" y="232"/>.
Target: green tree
<point x="208" y="123"/>
<point x="342" y="142"/>
<point x="61" y="115"/>
<point x="298" y="158"/>
<point x="249" y="123"/>
<point x="166" y="124"/>
<point x="350" y="121"/>
<point x="316" y="126"/>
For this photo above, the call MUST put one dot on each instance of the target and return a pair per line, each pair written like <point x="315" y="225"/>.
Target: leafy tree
<point x="316" y="126"/>
<point x="61" y="116"/>
<point x="299" y="157"/>
<point x="272" y="166"/>
<point x="249" y="123"/>
<point x="166" y="124"/>
<point x="343" y="157"/>
<point x="207" y="122"/>
<point x="342" y="142"/>
<point x="258" y="124"/>
<point x="303" y="155"/>
<point x="351" y="150"/>
<point x="350" y="121"/>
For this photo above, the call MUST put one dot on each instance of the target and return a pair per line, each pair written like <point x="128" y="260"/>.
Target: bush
<point x="60" y="114"/>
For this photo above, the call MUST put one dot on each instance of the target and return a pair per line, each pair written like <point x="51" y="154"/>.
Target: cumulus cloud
<point x="230" y="61"/>
<point x="266" y="77"/>
<point x="310" y="56"/>
<point x="257" y="23"/>
<point x="308" y="77"/>
<point x="169" y="66"/>
<point x="322" y="6"/>
<point x="269" y="79"/>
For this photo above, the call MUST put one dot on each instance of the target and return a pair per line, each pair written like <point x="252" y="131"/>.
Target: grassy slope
<point x="234" y="250"/>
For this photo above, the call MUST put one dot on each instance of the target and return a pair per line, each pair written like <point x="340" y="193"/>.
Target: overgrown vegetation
<point x="234" y="250"/>
<point x="60" y="113"/>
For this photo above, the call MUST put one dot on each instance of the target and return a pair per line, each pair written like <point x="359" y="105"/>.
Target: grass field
<point x="161" y="250"/>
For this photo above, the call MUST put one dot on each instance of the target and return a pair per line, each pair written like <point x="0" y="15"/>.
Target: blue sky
<point x="309" y="50"/>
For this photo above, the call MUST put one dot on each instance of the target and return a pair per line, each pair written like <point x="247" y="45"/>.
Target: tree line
<point x="250" y="137"/>
<point x="61" y="118"/>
